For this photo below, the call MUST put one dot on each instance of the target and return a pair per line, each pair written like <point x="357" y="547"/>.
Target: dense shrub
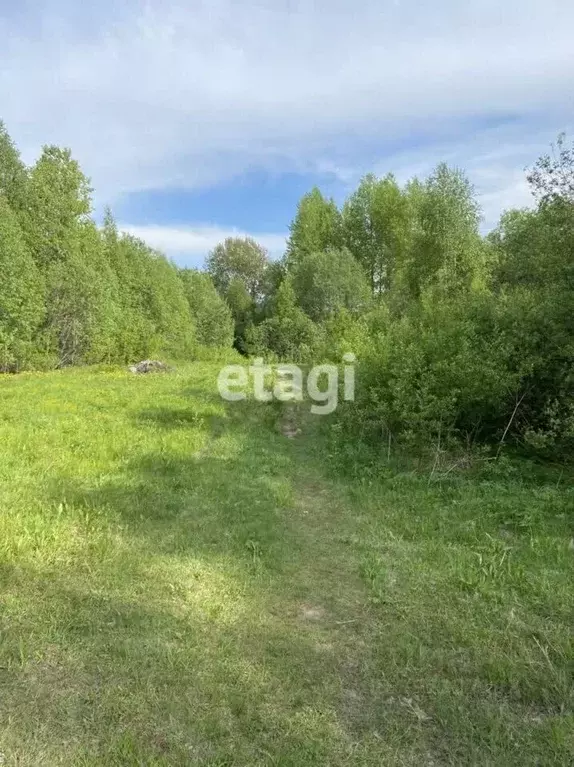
<point x="289" y="333"/>
<point x="433" y="372"/>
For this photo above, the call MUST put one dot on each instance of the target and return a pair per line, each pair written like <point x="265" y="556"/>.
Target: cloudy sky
<point x="196" y="119"/>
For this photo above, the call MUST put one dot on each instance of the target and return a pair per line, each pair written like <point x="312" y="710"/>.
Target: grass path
<point x="181" y="584"/>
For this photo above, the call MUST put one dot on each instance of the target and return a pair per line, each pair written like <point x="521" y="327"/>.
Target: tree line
<point x="75" y="293"/>
<point x="457" y="335"/>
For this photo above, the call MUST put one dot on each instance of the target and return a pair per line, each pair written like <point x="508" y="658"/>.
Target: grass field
<point x="181" y="584"/>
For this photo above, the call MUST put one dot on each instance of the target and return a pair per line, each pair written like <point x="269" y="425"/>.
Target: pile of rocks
<point x="149" y="366"/>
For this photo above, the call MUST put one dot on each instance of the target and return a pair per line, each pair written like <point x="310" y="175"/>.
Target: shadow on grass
<point x="104" y="680"/>
<point x="170" y="418"/>
<point x="168" y="638"/>
<point x="225" y="498"/>
<point x="172" y="632"/>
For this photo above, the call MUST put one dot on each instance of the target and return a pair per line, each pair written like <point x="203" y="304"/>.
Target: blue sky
<point x="197" y="120"/>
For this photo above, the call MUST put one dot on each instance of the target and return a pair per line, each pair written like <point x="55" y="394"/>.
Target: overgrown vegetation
<point x="459" y="337"/>
<point x="181" y="584"/>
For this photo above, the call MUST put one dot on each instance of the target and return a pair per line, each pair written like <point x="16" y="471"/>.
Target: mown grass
<point x="183" y="585"/>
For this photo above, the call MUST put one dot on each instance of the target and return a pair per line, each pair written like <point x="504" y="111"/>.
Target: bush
<point x="433" y="372"/>
<point x="289" y="333"/>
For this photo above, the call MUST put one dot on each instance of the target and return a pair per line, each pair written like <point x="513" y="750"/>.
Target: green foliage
<point x="289" y="332"/>
<point x="376" y="227"/>
<point x="238" y="259"/>
<point x="272" y="278"/>
<point x="473" y="338"/>
<point x="447" y="250"/>
<point x="168" y="309"/>
<point x="70" y="293"/>
<point x="80" y="301"/>
<point x="468" y="338"/>
<point x="13" y="173"/>
<point x="243" y="308"/>
<point x="21" y="294"/>
<point x="238" y="268"/>
<point x="435" y="371"/>
<point x="327" y="281"/>
<point x="128" y="259"/>
<point x="81" y="310"/>
<point x="211" y="314"/>
<point x="317" y="226"/>
<point x="154" y="316"/>
<point x="57" y="204"/>
<point x="343" y="333"/>
<point x="535" y="285"/>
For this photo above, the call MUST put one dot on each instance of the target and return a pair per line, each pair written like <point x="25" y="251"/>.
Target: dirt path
<point x="331" y="605"/>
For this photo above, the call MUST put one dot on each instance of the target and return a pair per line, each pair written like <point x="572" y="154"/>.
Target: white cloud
<point x="188" y="245"/>
<point x="186" y="94"/>
<point x="494" y="159"/>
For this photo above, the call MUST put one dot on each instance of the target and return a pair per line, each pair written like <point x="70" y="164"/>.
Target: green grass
<point x="180" y="584"/>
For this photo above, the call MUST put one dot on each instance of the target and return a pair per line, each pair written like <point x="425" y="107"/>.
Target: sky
<point x="199" y="120"/>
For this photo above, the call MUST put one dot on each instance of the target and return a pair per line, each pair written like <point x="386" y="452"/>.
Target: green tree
<point x="328" y="281"/>
<point x="243" y="309"/>
<point x="238" y="258"/>
<point x="21" y="294"/>
<point x="82" y="310"/>
<point x="211" y="314"/>
<point x="57" y="205"/>
<point x="534" y="281"/>
<point x="238" y="267"/>
<point x="316" y="227"/>
<point x="272" y="278"/>
<point x="81" y="301"/>
<point x="289" y="332"/>
<point x="13" y="173"/>
<point x="127" y="258"/>
<point x="447" y="251"/>
<point x="154" y="316"/>
<point x="376" y="227"/>
<point x="175" y="334"/>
